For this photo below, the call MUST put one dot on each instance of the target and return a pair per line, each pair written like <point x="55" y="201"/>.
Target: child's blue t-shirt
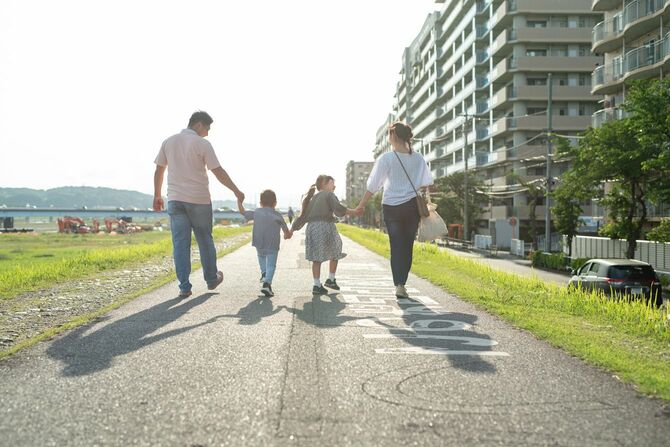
<point x="266" y="235"/>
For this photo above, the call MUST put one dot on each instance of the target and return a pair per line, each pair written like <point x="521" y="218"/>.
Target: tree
<point x="567" y="209"/>
<point x="534" y="193"/>
<point x="661" y="233"/>
<point x="449" y="198"/>
<point x="626" y="161"/>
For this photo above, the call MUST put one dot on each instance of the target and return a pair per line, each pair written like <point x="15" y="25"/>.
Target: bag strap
<point x="410" y="180"/>
<point x="405" y="171"/>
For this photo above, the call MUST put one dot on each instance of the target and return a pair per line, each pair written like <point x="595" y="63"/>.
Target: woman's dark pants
<point x="402" y="223"/>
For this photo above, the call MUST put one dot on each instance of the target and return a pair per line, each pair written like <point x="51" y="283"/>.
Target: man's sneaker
<point x="319" y="290"/>
<point x="267" y="290"/>
<point x="219" y="280"/>
<point x="331" y="284"/>
<point x="185" y="293"/>
<point x="401" y="292"/>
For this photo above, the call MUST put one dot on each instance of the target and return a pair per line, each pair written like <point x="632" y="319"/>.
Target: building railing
<point x="483" y="5"/>
<point x="606" y="115"/>
<point x="635" y="59"/>
<point x="632" y="12"/>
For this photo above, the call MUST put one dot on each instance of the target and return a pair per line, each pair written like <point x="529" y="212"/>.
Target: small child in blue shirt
<point x="265" y="236"/>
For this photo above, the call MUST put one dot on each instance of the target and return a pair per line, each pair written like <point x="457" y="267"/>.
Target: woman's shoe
<point x="400" y="291"/>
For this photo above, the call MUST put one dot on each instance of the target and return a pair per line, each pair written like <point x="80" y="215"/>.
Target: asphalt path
<point x="358" y="367"/>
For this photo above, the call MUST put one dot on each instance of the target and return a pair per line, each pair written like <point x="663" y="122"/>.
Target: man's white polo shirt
<point x="188" y="156"/>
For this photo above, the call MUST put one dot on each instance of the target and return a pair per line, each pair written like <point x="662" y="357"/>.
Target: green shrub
<point x="554" y="261"/>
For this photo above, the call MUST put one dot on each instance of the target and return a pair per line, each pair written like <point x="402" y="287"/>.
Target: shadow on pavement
<point x="255" y="311"/>
<point x="84" y="353"/>
<point x="322" y="312"/>
<point x="443" y="333"/>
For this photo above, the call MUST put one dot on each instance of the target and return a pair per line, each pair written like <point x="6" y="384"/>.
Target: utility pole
<point x="547" y="205"/>
<point x="466" y="130"/>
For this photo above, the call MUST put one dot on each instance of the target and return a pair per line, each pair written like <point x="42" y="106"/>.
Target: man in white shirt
<point x="187" y="156"/>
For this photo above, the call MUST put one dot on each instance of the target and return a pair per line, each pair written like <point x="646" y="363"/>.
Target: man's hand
<point x="240" y="196"/>
<point x="288" y="235"/>
<point x="359" y="211"/>
<point x="158" y="203"/>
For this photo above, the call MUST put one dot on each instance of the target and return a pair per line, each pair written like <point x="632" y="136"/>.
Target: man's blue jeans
<point x="268" y="263"/>
<point x="402" y="223"/>
<point x="184" y="218"/>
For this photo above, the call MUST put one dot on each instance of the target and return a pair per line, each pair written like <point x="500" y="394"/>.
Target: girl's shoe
<point x="267" y="290"/>
<point x="401" y="292"/>
<point x="319" y="290"/>
<point x="331" y="284"/>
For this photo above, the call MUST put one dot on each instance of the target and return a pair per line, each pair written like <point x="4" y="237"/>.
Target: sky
<point x="89" y="89"/>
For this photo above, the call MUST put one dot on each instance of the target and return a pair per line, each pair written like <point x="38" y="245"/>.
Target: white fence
<point x="518" y="248"/>
<point x="655" y="253"/>
<point x="483" y="242"/>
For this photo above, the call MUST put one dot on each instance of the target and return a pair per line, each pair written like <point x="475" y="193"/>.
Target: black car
<point x="624" y="277"/>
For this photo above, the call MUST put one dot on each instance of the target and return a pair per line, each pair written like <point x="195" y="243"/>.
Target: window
<point x="559" y="50"/>
<point x="536" y="52"/>
<point x="536" y="23"/>
<point x="559" y="22"/>
<point x="593" y="271"/>
<point x="585" y="268"/>
<point x="584" y="50"/>
<point x="537" y="81"/>
<point x="584" y="80"/>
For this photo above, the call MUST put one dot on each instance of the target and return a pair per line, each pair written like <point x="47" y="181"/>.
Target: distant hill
<point x="83" y="196"/>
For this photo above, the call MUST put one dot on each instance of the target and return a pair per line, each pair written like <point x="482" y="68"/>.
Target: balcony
<point x="502" y="96"/>
<point x="502" y="71"/>
<point x="558" y="63"/>
<point x="483" y="6"/>
<point x="605" y="5"/>
<point x="639" y="63"/>
<point x="559" y="122"/>
<point x="553" y="35"/>
<point x="501" y="17"/>
<point x="553" y="7"/>
<point x="503" y="43"/>
<point x="606" y="115"/>
<point x="559" y="92"/>
<point x="637" y="18"/>
<point x="482" y="56"/>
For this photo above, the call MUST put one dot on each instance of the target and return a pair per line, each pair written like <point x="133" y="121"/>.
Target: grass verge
<point x="159" y="281"/>
<point x="30" y="262"/>
<point x="630" y="339"/>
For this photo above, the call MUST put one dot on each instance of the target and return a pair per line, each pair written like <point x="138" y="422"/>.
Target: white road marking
<point x="470" y="341"/>
<point x="374" y="295"/>
<point x="418" y="325"/>
<point x="439" y="351"/>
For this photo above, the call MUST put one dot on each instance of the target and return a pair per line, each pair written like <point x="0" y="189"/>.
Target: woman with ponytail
<point x="322" y="241"/>
<point x="399" y="172"/>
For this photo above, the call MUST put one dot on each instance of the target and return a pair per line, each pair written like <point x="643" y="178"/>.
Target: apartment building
<point x="634" y="38"/>
<point x="473" y="85"/>
<point x="357" y="177"/>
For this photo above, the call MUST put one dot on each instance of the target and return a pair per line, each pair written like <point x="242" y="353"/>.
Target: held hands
<point x="158" y="203"/>
<point x="288" y="234"/>
<point x="359" y="210"/>
<point x="240" y="196"/>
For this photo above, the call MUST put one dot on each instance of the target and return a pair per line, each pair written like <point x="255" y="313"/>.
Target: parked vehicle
<point x="620" y="277"/>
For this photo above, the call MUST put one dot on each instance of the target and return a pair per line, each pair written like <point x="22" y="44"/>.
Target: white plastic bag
<point x="431" y="227"/>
